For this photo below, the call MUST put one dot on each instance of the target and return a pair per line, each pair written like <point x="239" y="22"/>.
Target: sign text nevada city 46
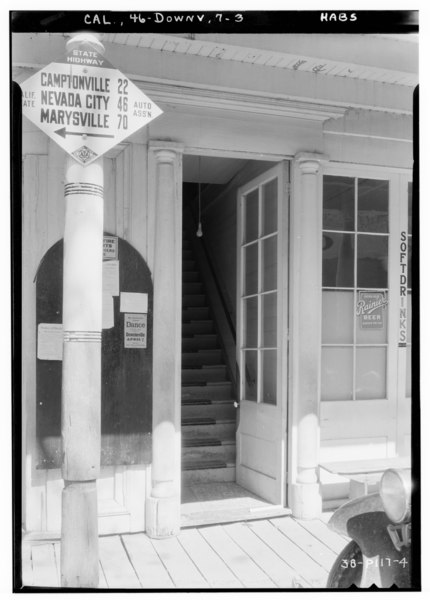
<point x="85" y="104"/>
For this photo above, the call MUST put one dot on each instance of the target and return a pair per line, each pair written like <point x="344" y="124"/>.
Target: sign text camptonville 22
<point x="85" y="104"/>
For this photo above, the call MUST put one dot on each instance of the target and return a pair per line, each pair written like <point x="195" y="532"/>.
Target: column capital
<point x="165" y="151"/>
<point x="310" y="162"/>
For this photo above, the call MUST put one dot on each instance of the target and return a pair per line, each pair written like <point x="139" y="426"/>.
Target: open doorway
<point x="221" y="479"/>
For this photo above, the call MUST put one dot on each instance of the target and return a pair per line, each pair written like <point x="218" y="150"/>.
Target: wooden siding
<point x="126" y="215"/>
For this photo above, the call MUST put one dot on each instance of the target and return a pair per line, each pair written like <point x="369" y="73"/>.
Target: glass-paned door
<point x="262" y="318"/>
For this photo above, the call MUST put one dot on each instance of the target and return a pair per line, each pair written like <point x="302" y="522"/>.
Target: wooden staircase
<point x="208" y="413"/>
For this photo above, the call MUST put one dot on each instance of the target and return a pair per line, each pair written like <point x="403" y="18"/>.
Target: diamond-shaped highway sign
<point x="85" y="104"/>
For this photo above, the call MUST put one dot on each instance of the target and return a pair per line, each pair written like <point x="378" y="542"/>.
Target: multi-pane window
<point x="355" y="288"/>
<point x="259" y="293"/>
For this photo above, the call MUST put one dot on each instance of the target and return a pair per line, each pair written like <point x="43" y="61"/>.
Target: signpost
<point x="87" y="106"/>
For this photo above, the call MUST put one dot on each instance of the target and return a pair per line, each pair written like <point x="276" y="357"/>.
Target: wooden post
<point x="81" y="377"/>
<point x="306" y="498"/>
<point x="163" y="506"/>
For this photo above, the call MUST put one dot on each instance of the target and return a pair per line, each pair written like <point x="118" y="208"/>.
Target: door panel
<point x="262" y="334"/>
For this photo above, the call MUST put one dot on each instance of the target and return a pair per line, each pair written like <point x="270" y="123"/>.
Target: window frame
<point x="398" y="221"/>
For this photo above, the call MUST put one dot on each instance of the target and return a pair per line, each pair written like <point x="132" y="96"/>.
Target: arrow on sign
<point x="63" y="133"/>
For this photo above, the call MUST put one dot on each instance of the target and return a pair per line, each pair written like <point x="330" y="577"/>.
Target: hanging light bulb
<point x="199" y="231"/>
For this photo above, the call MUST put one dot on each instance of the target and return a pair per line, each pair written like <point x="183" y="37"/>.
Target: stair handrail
<point x="217" y="302"/>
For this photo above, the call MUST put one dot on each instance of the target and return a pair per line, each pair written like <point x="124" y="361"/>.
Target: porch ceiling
<point x="210" y="169"/>
<point x="307" y="52"/>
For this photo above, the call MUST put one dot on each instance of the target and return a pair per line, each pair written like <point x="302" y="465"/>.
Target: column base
<point x="79" y="536"/>
<point x="306" y="501"/>
<point x="163" y="517"/>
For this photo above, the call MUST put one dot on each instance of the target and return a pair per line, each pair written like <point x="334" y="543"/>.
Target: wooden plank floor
<point x="271" y="553"/>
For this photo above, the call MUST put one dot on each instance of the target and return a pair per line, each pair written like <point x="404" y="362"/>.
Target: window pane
<point x="371" y="373"/>
<point x="250" y="307"/>
<point x="251" y="216"/>
<point x="251" y="269"/>
<point x="372" y="260"/>
<point x="371" y="317"/>
<point x="270" y="263"/>
<point x="410" y="207"/>
<point x="270" y="207"/>
<point x="408" y="372"/>
<point x="269" y="376"/>
<point x="250" y="363"/>
<point x="337" y="317"/>
<point x="338" y="203"/>
<point x="372" y="205"/>
<point x="338" y="260"/>
<point x="336" y="374"/>
<point x="269" y="319"/>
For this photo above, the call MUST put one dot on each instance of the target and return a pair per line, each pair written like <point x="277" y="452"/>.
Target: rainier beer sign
<point x="85" y="104"/>
<point x="370" y="309"/>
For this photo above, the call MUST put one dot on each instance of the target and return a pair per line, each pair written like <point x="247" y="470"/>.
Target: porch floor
<point x="279" y="552"/>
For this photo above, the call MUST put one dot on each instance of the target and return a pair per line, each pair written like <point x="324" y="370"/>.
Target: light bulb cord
<point x="199" y="231"/>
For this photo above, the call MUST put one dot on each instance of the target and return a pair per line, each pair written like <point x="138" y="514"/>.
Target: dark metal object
<point x="379" y="553"/>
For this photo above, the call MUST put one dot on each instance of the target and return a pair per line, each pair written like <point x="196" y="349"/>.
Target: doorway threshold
<point x="212" y="503"/>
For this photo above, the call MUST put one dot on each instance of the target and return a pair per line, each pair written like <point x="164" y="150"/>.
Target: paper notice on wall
<point x="50" y="341"/>
<point x="107" y="312"/>
<point x="110" y="247"/>
<point x="111" y="278"/>
<point x="135" y="330"/>
<point x="132" y="302"/>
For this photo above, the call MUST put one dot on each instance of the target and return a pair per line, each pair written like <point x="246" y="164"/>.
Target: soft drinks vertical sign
<point x="86" y="105"/>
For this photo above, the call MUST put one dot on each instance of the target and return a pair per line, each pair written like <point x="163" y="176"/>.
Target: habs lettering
<point x="341" y="17"/>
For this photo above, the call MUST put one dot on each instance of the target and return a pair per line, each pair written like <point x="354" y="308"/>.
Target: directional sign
<point x="85" y="104"/>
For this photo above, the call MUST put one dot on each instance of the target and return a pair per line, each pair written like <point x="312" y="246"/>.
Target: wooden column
<point x="306" y="338"/>
<point x="163" y="506"/>
<point x="81" y="377"/>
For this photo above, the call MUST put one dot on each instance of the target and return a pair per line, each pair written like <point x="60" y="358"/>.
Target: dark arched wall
<point x="126" y="402"/>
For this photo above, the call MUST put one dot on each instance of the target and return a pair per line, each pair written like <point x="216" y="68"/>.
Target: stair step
<point x="187" y="254"/>
<point x="206" y="464"/>
<point x="200" y="342"/>
<point x="218" y="390"/>
<point x="202" y="455"/>
<point x="212" y="474"/>
<point x="191" y="287"/>
<point x="188" y="264"/>
<point x="208" y="373"/>
<point x="201" y="358"/>
<point x="224" y="429"/>
<point x="195" y="313"/>
<point x="196" y="442"/>
<point x="214" y="410"/>
<point x="192" y="299"/>
<point x="197" y="327"/>
<point x="190" y="276"/>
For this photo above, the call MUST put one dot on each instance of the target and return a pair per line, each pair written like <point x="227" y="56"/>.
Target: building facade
<point x="281" y="338"/>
